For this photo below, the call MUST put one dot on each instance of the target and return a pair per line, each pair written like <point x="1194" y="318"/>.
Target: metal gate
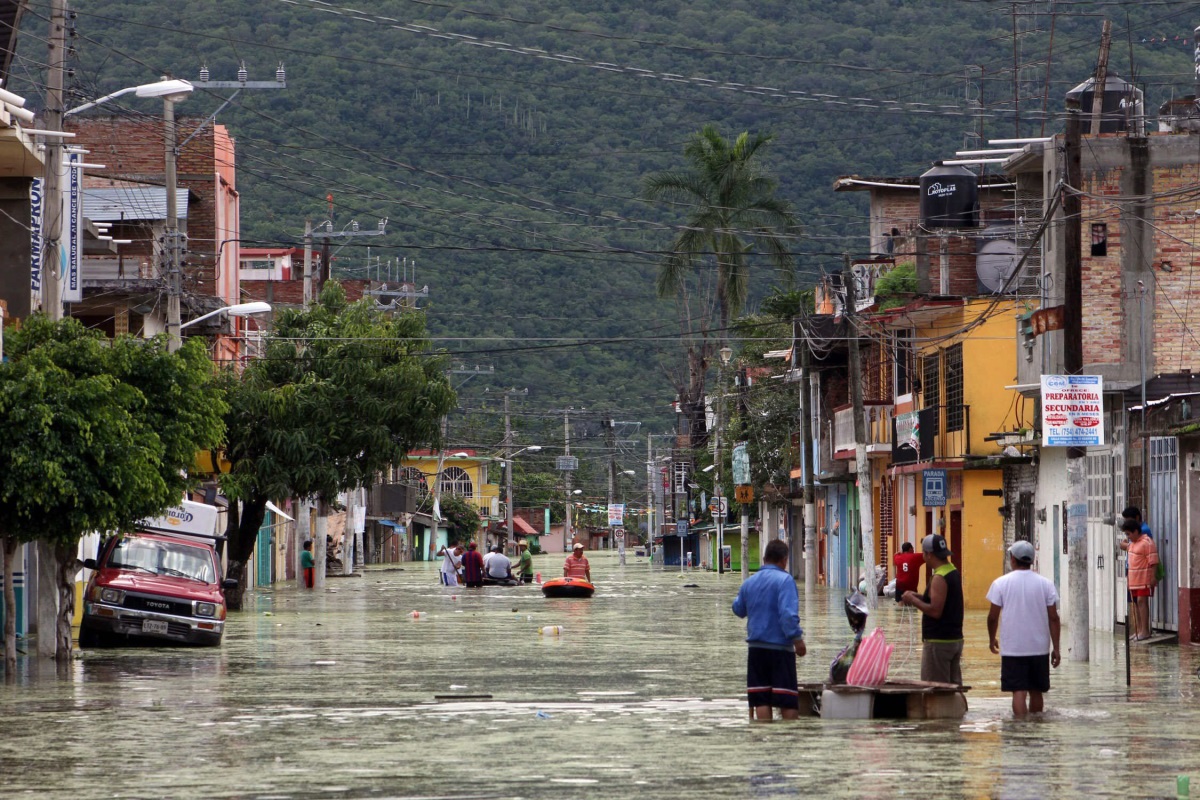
<point x="1163" y="518"/>
<point x="1103" y="553"/>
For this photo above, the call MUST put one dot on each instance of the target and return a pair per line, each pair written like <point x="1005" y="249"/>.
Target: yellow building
<point x="944" y="474"/>
<point x="464" y="474"/>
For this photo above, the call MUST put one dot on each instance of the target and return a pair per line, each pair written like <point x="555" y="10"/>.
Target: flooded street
<point x="346" y="694"/>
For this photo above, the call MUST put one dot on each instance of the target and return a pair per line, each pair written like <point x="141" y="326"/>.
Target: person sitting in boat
<point x="499" y="566"/>
<point x="576" y="565"/>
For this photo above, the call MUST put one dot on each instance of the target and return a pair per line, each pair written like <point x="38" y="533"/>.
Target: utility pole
<point x="567" y="451"/>
<point x="1101" y="79"/>
<point x="308" y="276"/>
<point x="1077" y="559"/>
<point x="508" y="471"/>
<point x="47" y="563"/>
<point x="806" y="439"/>
<point x="609" y="431"/>
<point x="866" y="501"/>
<point x="52" y="197"/>
<point x="650" y="516"/>
<point x="174" y="270"/>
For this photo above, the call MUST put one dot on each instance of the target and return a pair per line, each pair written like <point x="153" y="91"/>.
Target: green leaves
<point x="98" y="434"/>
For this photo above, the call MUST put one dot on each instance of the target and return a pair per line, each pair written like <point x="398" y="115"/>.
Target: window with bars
<point x="457" y="482"/>
<point x="931" y="389"/>
<point x="955" y="413"/>
<point x="414" y="477"/>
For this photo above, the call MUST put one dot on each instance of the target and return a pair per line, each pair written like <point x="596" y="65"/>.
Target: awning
<point x="388" y="523"/>
<point x="523" y="527"/>
<point x="277" y="511"/>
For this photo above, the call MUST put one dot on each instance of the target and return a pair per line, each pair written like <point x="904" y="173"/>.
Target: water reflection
<point x="333" y="694"/>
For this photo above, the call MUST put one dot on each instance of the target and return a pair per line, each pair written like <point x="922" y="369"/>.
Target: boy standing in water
<point x="306" y="564"/>
<point x="768" y="600"/>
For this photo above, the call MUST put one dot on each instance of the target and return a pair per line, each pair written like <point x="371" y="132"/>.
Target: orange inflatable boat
<point x="568" y="587"/>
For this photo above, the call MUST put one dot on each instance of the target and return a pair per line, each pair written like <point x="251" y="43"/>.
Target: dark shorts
<point x="1025" y="673"/>
<point x="771" y="678"/>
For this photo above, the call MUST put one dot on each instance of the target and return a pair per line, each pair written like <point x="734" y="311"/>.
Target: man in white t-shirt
<point x="1025" y="610"/>
<point x="499" y="566"/>
<point x="450" y="564"/>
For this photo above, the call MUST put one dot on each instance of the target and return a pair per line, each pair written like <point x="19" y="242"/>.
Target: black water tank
<point x="950" y="198"/>
<point x="1121" y="107"/>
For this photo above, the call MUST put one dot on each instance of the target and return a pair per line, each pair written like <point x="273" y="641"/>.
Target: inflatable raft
<point x="568" y="587"/>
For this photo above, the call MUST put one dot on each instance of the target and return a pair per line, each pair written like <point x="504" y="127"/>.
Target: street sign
<point x="743" y="494"/>
<point x="616" y="514"/>
<point x="934" y="484"/>
<point x="566" y="463"/>
<point x="681" y="527"/>
<point x="719" y="506"/>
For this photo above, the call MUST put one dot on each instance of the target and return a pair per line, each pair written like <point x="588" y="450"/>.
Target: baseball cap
<point x="578" y="546"/>
<point x="1022" y="551"/>
<point x="935" y="544"/>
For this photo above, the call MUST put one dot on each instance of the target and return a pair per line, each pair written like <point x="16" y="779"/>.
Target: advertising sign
<point x="741" y="464"/>
<point x="934" y="482"/>
<point x="195" y="519"/>
<point x="72" y="249"/>
<point x="36" y="243"/>
<point x="616" y="515"/>
<point x="1072" y="410"/>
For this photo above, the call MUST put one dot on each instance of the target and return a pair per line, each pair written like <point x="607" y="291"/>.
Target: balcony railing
<point x="939" y="432"/>
<point x="878" y="424"/>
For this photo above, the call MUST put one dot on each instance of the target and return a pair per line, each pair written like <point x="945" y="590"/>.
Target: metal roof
<point x="131" y="202"/>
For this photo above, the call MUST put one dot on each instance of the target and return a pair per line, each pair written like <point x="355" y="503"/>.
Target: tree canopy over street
<point x="342" y="392"/>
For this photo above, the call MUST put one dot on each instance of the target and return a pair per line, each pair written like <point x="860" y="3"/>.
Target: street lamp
<point x="533" y="448"/>
<point x="239" y="310"/>
<point x="170" y="90"/>
<point x="726" y="354"/>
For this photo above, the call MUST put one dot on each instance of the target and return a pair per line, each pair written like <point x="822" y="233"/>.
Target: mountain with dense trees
<point x="508" y="142"/>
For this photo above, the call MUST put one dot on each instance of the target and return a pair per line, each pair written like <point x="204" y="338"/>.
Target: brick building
<point x="124" y="292"/>
<point x="1140" y="317"/>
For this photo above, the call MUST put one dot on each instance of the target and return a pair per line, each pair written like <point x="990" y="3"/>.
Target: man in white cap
<point x="941" y="610"/>
<point x="576" y="565"/>
<point x="1025" y="612"/>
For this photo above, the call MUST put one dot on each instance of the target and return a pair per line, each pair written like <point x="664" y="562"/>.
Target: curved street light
<point x="238" y="310"/>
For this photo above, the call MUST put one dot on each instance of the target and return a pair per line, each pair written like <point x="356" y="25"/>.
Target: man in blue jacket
<point x="770" y="602"/>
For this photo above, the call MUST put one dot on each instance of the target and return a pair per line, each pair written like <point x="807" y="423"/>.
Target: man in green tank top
<point x="524" y="568"/>
<point x="941" y="608"/>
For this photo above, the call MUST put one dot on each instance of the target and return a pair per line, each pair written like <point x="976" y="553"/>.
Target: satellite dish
<point x="994" y="265"/>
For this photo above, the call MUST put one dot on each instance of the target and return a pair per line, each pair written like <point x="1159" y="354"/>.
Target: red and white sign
<point x="1072" y="410"/>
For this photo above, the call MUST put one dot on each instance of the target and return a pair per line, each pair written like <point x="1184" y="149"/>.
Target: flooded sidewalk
<point x="345" y="693"/>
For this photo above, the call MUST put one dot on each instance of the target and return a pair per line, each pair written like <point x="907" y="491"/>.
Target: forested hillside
<point x="507" y="141"/>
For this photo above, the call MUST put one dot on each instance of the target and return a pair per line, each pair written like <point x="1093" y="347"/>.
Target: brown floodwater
<point x="344" y="694"/>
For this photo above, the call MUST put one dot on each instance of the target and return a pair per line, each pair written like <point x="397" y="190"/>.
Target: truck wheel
<point x="89" y="637"/>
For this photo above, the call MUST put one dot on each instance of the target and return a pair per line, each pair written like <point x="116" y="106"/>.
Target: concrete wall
<point x="1051" y="532"/>
<point x="15" y="246"/>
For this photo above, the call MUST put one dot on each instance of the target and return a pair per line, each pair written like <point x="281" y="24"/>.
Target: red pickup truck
<point x="155" y="586"/>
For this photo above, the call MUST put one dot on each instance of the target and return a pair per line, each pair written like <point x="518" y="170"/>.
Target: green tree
<point x="97" y="435"/>
<point x="342" y="392"/>
<point x="733" y="213"/>
<point x="462" y="519"/>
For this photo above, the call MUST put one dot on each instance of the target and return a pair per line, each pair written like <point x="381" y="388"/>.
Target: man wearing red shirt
<point x="908" y="570"/>
<point x="472" y="563"/>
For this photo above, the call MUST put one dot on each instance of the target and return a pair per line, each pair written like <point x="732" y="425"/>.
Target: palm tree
<point x="734" y="212"/>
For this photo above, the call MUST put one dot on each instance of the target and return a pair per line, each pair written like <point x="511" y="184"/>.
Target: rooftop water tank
<point x="949" y="198"/>
<point x="1121" y="109"/>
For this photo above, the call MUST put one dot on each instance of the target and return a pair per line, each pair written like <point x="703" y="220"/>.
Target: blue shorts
<point x="771" y="678"/>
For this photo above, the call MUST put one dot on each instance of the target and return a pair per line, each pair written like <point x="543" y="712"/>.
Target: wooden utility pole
<point x="1101" y="78"/>
<point x="866" y="503"/>
<point x="308" y="255"/>
<point x="1077" y="553"/>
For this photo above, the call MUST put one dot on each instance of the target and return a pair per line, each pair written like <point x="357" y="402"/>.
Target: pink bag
<point x="870" y="666"/>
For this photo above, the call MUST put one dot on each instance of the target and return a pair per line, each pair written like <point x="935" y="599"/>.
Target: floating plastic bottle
<point x="550" y="630"/>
